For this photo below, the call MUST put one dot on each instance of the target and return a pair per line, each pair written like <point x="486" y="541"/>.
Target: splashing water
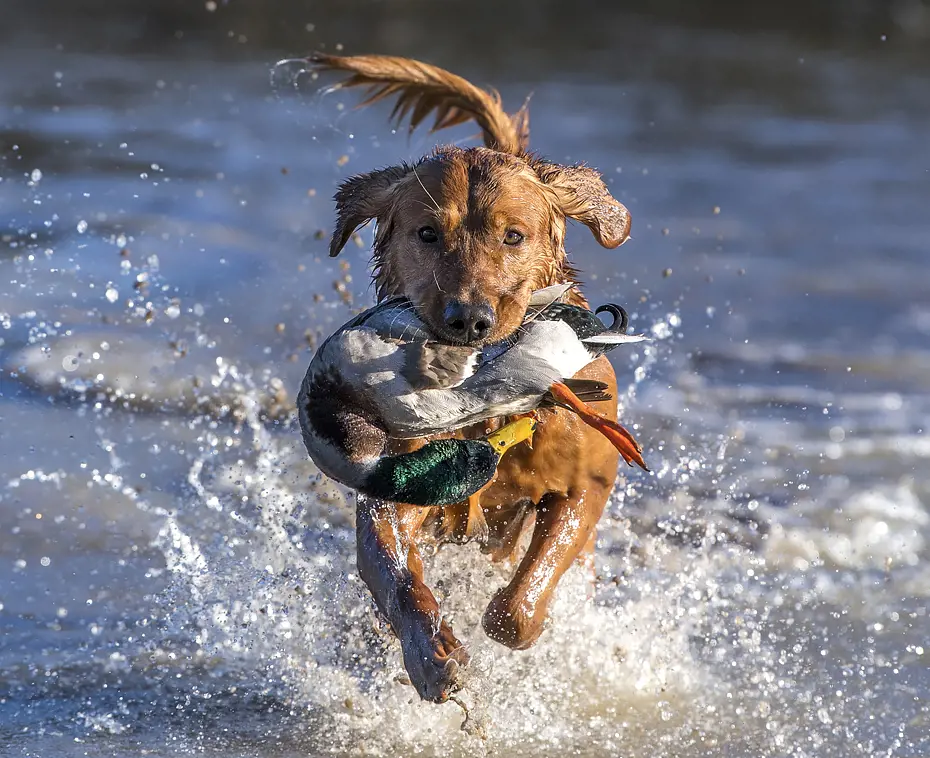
<point x="685" y="642"/>
<point x="291" y="74"/>
<point x="669" y="647"/>
<point x="278" y="591"/>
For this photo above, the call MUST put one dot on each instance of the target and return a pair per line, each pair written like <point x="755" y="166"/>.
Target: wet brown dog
<point x="467" y="235"/>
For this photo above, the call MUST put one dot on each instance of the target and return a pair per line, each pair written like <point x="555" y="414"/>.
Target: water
<point x="175" y="579"/>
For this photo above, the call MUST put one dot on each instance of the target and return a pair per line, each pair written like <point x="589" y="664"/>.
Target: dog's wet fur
<point x="467" y="235"/>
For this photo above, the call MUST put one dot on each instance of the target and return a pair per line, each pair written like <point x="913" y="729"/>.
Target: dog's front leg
<point x="390" y="564"/>
<point x="565" y="526"/>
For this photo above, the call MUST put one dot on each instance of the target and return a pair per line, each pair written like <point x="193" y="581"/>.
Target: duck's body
<point x="383" y="375"/>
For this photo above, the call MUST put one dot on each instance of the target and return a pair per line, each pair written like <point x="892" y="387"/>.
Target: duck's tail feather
<point x="621" y="317"/>
<point x="606" y="340"/>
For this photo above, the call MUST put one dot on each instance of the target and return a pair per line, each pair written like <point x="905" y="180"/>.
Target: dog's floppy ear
<point x="583" y="196"/>
<point x="362" y="198"/>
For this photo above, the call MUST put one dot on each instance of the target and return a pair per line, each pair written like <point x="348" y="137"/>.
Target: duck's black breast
<point x="340" y="416"/>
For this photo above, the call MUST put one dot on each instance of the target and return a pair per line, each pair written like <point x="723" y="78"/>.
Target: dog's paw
<point x="435" y="660"/>
<point x="512" y="621"/>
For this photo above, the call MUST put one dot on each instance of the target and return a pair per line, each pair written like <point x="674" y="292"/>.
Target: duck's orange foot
<point x="465" y="522"/>
<point x="630" y="450"/>
<point x="476" y="526"/>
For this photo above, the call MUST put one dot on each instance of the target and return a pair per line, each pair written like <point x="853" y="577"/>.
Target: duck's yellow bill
<point x="512" y="434"/>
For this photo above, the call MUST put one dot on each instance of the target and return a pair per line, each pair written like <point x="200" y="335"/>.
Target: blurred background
<point x="175" y="578"/>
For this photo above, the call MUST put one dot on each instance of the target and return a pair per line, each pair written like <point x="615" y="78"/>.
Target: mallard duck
<point x="383" y="375"/>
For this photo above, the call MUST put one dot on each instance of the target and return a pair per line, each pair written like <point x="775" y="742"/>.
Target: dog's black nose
<point x="467" y="322"/>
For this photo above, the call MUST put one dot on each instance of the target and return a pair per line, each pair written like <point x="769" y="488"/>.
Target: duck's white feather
<point x="610" y="338"/>
<point x="547" y="352"/>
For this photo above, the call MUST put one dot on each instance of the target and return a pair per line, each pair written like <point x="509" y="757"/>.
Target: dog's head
<point x="468" y="234"/>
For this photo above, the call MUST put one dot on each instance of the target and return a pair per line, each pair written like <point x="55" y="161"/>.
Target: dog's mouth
<point x="437" y="330"/>
<point x="452" y="338"/>
<point x="494" y="337"/>
<point x="449" y="335"/>
<point x="470" y="323"/>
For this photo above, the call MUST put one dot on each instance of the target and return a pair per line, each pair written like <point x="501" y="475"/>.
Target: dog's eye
<point x="513" y="237"/>
<point x="427" y="234"/>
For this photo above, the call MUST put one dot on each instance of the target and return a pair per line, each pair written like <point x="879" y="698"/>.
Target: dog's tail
<point x="423" y="89"/>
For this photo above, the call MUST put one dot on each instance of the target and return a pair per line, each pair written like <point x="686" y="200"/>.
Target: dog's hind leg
<point x="390" y="564"/>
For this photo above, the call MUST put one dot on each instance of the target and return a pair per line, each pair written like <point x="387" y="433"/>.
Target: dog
<point x="467" y="234"/>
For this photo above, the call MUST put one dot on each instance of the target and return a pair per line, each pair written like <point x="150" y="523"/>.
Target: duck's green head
<point x="439" y="473"/>
<point x="443" y="472"/>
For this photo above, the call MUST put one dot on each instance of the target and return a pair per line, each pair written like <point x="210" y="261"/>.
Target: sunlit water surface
<point x="175" y="578"/>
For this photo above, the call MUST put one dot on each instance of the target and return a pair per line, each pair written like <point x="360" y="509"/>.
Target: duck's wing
<point x="426" y="363"/>
<point x="549" y="295"/>
<point x="374" y="315"/>
<point x="372" y="335"/>
<point x="395" y="320"/>
<point x="434" y="365"/>
<point x="543" y="298"/>
<point x="514" y="382"/>
<point x="544" y="352"/>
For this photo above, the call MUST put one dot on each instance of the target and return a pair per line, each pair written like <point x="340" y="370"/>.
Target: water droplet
<point x="289" y="73"/>
<point x="82" y="226"/>
<point x="112" y="294"/>
<point x="661" y="331"/>
<point x="892" y="401"/>
<point x="36" y="175"/>
<point x="665" y="711"/>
